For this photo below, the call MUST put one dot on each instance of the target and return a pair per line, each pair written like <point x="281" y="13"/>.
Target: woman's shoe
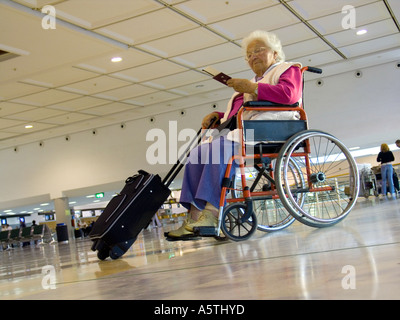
<point x="181" y="231"/>
<point x="206" y="219"/>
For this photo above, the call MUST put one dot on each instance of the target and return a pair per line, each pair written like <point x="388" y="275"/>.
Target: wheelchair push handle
<point x="313" y="70"/>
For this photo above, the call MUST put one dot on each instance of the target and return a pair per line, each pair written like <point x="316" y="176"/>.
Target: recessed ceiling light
<point x="28" y="126"/>
<point x="361" y="32"/>
<point x="116" y="59"/>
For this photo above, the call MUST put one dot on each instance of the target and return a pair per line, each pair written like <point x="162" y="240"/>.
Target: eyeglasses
<point x="249" y="55"/>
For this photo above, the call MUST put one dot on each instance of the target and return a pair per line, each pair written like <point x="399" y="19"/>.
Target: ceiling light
<point x="361" y="32"/>
<point x="116" y="59"/>
<point x="28" y="126"/>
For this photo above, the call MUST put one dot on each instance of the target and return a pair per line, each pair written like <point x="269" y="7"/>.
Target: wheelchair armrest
<point x="268" y="104"/>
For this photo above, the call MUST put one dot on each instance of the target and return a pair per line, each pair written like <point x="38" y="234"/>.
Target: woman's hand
<point x="207" y="120"/>
<point x="242" y="85"/>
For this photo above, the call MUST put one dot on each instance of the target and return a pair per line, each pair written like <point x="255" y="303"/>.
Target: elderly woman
<point x="276" y="81"/>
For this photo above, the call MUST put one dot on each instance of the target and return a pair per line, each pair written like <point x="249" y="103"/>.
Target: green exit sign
<point x="99" y="195"/>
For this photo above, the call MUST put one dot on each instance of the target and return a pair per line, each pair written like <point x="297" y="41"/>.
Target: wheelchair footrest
<point x="205" y="231"/>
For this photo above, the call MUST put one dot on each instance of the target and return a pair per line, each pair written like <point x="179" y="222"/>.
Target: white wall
<point x="350" y="107"/>
<point x="344" y="106"/>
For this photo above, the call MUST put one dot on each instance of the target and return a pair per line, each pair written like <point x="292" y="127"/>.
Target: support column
<point x="63" y="214"/>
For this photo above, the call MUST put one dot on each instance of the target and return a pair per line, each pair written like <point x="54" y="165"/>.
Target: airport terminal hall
<point x="199" y="157"/>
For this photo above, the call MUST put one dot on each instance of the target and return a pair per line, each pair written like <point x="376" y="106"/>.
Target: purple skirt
<point x="204" y="172"/>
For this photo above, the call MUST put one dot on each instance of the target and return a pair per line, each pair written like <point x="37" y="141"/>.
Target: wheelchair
<point x="299" y="174"/>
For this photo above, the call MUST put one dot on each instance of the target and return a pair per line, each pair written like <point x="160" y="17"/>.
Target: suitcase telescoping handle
<point x="179" y="165"/>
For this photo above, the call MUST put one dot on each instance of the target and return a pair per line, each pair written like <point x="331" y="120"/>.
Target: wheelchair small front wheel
<point x="232" y="224"/>
<point x="270" y="212"/>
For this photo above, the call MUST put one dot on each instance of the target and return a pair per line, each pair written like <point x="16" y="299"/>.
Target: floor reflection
<point x="297" y="263"/>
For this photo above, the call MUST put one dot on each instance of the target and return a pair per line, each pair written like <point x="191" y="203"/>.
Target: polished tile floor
<point x="358" y="258"/>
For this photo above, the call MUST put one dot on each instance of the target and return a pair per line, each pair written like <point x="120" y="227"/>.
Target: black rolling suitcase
<point x="132" y="209"/>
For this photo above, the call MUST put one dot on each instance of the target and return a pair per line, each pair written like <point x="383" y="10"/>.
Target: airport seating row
<point x="26" y="234"/>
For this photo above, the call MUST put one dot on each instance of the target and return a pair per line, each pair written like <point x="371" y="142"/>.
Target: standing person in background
<point x="385" y="157"/>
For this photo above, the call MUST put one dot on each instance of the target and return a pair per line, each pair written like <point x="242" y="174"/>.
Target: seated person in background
<point x="276" y="81"/>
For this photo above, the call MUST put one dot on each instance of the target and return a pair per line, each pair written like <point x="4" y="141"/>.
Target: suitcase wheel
<point x="102" y="254"/>
<point x="102" y="249"/>
<point x="120" y="249"/>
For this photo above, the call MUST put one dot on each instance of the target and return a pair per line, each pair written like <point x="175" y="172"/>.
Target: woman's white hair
<point x="270" y="39"/>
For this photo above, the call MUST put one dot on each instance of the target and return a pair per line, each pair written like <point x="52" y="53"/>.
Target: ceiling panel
<point x="294" y="34"/>
<point x="154" y="98"/>
<point x="395" y="7"/>
<point x="374" y="30"/>
<point x="78" y="104"/>
<point x="216" y="54"/>
<point x="311" y="9"/>
<point x="5" y="135"/>
<point x="182" y="42"/>
<point x="152" y="71"/>
<point x="67" y="118"/>
<point x="8" y="123"/>
<point x="7" y="108"/>
<point x="367" y="47"/>
<point x="45" y="98"/>
<point x="147" y="27"/>
<point x="130" y="58"/>
<point x="98" y="84"/>
<point x="318" y="59"/>
<point x="15" y="89"/>
<point x="179" y="79"/>
<point x="94" y="14"/>
<point x="107" y="109"/>
<point x="35" y="114"/>
<point x="267" y="19"/>
<point x="365" y="14"/>
<point x="209" y="11"/>
<point x="127" y="92"/>
<point x="200" y="87"/>
<point x="36" y="127"/>
<point x="305" y="48"/>
<point x="232" y="66"/>
<point x="52" y="78"/>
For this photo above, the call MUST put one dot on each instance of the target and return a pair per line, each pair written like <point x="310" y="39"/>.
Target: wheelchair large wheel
<point x="331" y="179"/>
<point x="271" y="213"/>
<point x="234" y="227"/>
